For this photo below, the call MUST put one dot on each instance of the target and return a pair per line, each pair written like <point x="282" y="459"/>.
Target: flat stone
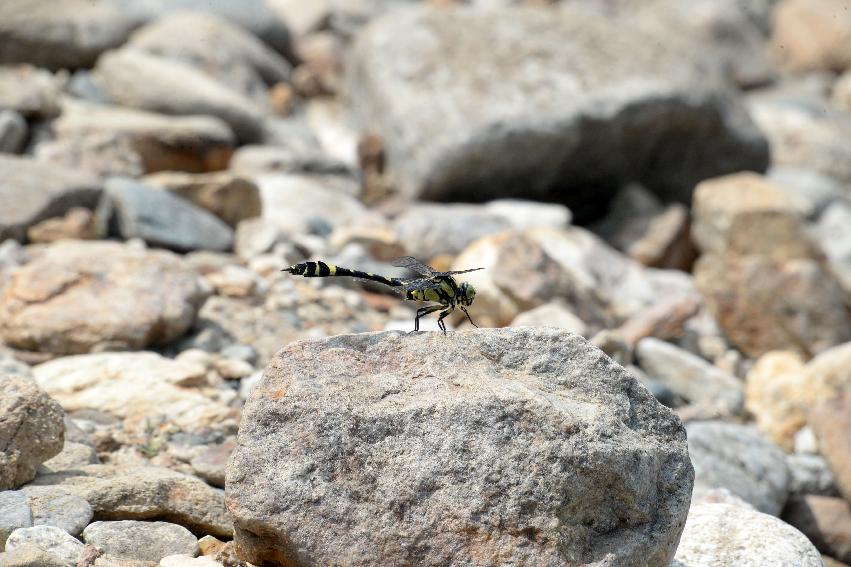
<point x="241" y="61"/>
<point x="53" y="506"/>
<point x="146" y="541"/>
<point x="160" y="218"/>
<point x="112" y="140"/>
<point x="825" y="521"/>
<point x="831" y="422"/>
<point x="187" y="561"/>
<point x="763" y="304"/>
<point x="31" y="192"/>
<point x="596" y="111"/>
<point x="523" y="214"/>
<point x="689" y="376"/>
<point x="137" y="79"/>
<point x="50" y="539"/>
<point x="210" y="465"/>
<point x="738" y="458"/>
<point x="147" y="493"/>
<point x="138" y="387"/>
<point x="31" y="429"/>
<point x="59" y="34"/>
<point x="229" y="196"/>
<point x="72" y="455"/>
<point x="300" y="153"/>
<point x="14" y="513"/>
<point x="729" y="534"/>
<point x="408" y="476"/>
<point x="79" y="296"/>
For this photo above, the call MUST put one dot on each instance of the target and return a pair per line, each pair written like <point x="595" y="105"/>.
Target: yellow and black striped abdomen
<point x="322" y="269"/>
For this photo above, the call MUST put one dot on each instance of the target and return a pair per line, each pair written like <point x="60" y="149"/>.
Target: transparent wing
<point x="420" y="285"/>
<point x="412" y="263"/>
<point x="457" y="272"/>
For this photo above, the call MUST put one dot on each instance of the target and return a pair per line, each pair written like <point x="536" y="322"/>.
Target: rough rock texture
<point x="112" y="140"/>
<point x="810" y="474"/>
<point x="13" y="131"/>
<point x="689" y="376"/>
<point x="590" y="93"/>
<point x="135" y="386"/>
<point x="240" y="60"/>
<point x="831" y="423"/>
<point x="50" y="539"/>
<point x="31" y="192"/>
<point x="142" y="493"/>
<point x="738" y="458"/>
<point x="137" y="79"/>
<point x="31" y="430"/>
<point x="14" y="513"/>
<point x="54" y="506"/>
<point x="529" y="445"/>
<point x="79" y="296"/>
<point x="834" y="236"/>
<point x="60" y="33"/>
<point x="229" y="196"/>
<point x="145" y="541"/>
<point x="826" y="521"/>
<point x="764" y="305"/>
<point x="722" y="534"/>
<point x="161" y="218"/>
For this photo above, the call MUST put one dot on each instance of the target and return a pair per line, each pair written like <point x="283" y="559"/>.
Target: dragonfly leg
<point x="443" y="314"/>
<point x="422" y="311"/>
<point x="467" y="313"/>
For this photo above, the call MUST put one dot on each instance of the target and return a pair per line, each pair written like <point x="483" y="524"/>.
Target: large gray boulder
<point x="31" y="192"/>
<point x="556" y="105"/>
<point x="526" y="445"/>
<point x="60" y="33"/>
<point x="31" y="430"/>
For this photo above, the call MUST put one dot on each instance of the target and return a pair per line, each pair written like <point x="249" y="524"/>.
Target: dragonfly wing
<point x="457" y="272"/>
<point x="412" y="263"/>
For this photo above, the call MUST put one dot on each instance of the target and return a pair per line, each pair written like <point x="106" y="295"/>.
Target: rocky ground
<point x="659" y="192"/>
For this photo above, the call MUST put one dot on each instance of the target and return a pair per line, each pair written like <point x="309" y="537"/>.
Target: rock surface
<point x="626" y="94"/>
<point x="134" y="210"/>
<point x="831" y="423"/>
<point x="31" y="430"/>
<point x="738" y="458"/>
<point x="29" y="91"/>
<point x="689" y="376"/>
<point x="31" y="192"/>
<point x="137" y="387"/>
<point x="52" y="506"/>
<point x="142" y="493"/>
<point x="142" y="541"/>
<point x="14" y="513"/>
<point x="438" y="462"/>
<point x="779" y="394"/>
<point x="50" y="539"/>
<point x="80" y="296"/>
<point x="825" y="521"/>
<point x="61" y="33"/>
<point x="137" y="79"/>
<point x="719" y="534"/>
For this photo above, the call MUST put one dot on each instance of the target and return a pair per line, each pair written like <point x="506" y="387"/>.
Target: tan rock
<point x="78" y="224"/>
<point x="764" y="305"/>
<point x="227" y="195"/>
<point x="745" y="214"/>
<point x="813" y="35"/>
<point x="139" y="387"/>
<point x="31" y="430"/>
<point x="831" y="423"/>
<point x="779" y="395"/>
<point x="826" y="521"/>
<point x="82" y="296"/>
<point x="842" y="91"/>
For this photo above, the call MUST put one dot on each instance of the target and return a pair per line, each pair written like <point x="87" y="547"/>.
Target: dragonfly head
<point x="467" y="293"/>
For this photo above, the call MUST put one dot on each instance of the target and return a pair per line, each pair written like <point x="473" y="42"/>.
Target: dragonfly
<point x="439" y="288"/>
